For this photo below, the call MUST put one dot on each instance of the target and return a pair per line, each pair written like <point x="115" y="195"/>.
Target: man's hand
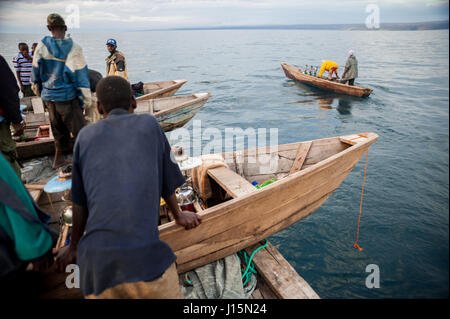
<point x="44" y="262"/>
<point x="65" y="256"/>
<point x="188" y="219"/>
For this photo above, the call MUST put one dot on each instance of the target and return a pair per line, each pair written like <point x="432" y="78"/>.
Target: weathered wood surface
<point x="160" y="89"/>
<point x="233" y="183"/>
<point x="279" y="275"/>
<point x="295" y="73"/>
<point x="238" y="223"/>
<point x="302" y="152"/>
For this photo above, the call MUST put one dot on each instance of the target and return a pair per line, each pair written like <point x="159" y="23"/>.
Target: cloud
<point x="139" y="14"/>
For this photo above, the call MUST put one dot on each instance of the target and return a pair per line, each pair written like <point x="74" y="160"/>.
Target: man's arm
<point x="184" y="218"/>
<point x="68" y="255"/>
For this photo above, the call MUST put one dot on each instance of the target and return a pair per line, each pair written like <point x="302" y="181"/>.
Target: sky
<point x="29" y="16"/>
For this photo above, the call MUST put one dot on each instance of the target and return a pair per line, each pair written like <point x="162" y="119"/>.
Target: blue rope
<point x="249" y="265"/>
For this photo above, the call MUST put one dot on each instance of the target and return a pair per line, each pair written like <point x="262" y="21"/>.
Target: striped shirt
<point x="24" y="67"/>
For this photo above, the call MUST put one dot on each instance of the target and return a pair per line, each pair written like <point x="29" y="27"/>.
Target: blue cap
<point x="111" y="41"/>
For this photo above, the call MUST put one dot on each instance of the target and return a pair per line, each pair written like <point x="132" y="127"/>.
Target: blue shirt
<point x="121" y="168"/>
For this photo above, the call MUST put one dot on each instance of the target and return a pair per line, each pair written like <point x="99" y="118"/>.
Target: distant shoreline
<point x="417" y="26"/>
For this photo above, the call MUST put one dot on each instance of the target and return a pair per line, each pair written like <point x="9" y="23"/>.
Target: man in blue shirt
<point x="121" y="168"/>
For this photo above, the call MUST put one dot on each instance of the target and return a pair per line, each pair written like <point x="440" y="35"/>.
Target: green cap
<point x="55" y="20"/>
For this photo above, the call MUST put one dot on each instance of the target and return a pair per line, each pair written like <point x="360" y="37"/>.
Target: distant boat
<point x="154" y="90"/>
<point x="295" y="73"/>
<point x="171" y="113"/>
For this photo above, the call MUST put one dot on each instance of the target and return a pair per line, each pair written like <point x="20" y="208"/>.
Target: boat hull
<point x="296" y="74"/>
<point x="238" y="223"/>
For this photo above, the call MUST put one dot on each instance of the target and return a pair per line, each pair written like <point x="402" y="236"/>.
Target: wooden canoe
<point x="276" y="278"/>
<point x="307" y="173"/>
<point x="171" y="113"/>
<point x="295" y="73"/>
<point x="154" y="90"/>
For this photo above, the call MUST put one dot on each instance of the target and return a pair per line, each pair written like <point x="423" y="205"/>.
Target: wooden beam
<point x="302" y="152"/>
<point x="232" y="183"/>
<point x="281" y="277"/>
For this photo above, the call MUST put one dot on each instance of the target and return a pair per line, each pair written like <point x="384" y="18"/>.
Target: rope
<point x="249" y="266"/>
<point x="360" y="205"/>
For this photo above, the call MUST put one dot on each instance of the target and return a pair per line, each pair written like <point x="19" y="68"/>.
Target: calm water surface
<point x="404" y="224"/>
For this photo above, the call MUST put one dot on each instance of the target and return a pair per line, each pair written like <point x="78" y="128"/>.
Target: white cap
<point x="351" y="52"/>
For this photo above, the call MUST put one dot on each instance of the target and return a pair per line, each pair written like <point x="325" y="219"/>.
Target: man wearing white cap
<point x="351" y="69"/>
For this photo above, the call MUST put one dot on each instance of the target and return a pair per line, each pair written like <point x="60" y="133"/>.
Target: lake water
<point x="404" y="223"/>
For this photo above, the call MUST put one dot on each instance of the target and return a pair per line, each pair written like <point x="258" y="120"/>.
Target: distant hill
<point x="434" y="25"/>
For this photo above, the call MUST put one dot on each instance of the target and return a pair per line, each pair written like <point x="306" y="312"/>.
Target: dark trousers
<point x="350" y="81"/>
<point x="28" y="91"/>
<point x="66" y="120"/>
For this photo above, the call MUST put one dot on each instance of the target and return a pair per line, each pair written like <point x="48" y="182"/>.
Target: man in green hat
<point x="60" y="76"/>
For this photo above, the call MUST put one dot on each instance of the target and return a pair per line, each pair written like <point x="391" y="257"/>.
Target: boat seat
<point x="38" y="105"/>
<point x="233" y="183"/>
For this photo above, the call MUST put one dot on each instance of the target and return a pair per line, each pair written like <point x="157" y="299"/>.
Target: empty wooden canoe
<point x="295" y="73"/>
<point x="307" y="173"/>
<point x="173" y="112"/>
<point x="154" y="90"/>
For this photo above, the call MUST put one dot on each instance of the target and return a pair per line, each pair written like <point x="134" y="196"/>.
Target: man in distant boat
<point x="351" y="69"/>
<point x="60" y="76"/>
<point x="331" y="67"/>
<point x="23" y="66"/>
<point x="115" y="62"/>
<point x="118" y="248"/>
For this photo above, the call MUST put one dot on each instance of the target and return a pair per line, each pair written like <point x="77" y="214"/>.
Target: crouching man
<point x="121" y="168"/>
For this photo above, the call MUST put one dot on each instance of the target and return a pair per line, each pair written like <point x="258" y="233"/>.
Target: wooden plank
<point x="35" y="194"/>
<point x="281" y="277"/>
<point x="302" y="152"/>
<point x="38" y="105"/>
<point x="232" y="183"/>
<point x="353" y="139"/>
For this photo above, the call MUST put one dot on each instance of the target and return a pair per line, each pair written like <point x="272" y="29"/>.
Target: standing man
<point x="329" y="66"/>
<point x="23" y="63"/>
<point x="60" y="76"/>
<point x="9" y="114"/>
<point x="351" y="69"/>
<point x="116" y="195"/>
<point x="115" y="62"/>
<point x="33" y="48"/>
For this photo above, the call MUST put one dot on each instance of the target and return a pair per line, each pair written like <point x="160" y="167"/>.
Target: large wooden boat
<point x="154" y="90"/>
<point x="171" y="113"/>
<point x="307" y="174"/>
<point x="295" y="73"/>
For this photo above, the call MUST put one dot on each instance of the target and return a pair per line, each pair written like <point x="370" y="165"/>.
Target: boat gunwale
<point x="234" y="203"/>
<point x="196" y="99"/>
<point x="176" y="84"/>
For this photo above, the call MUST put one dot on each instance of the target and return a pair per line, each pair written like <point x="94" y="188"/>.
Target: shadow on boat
<point x="327" y="100"/>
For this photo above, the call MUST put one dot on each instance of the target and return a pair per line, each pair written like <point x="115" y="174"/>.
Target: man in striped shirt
<point x="23" y="63"/>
